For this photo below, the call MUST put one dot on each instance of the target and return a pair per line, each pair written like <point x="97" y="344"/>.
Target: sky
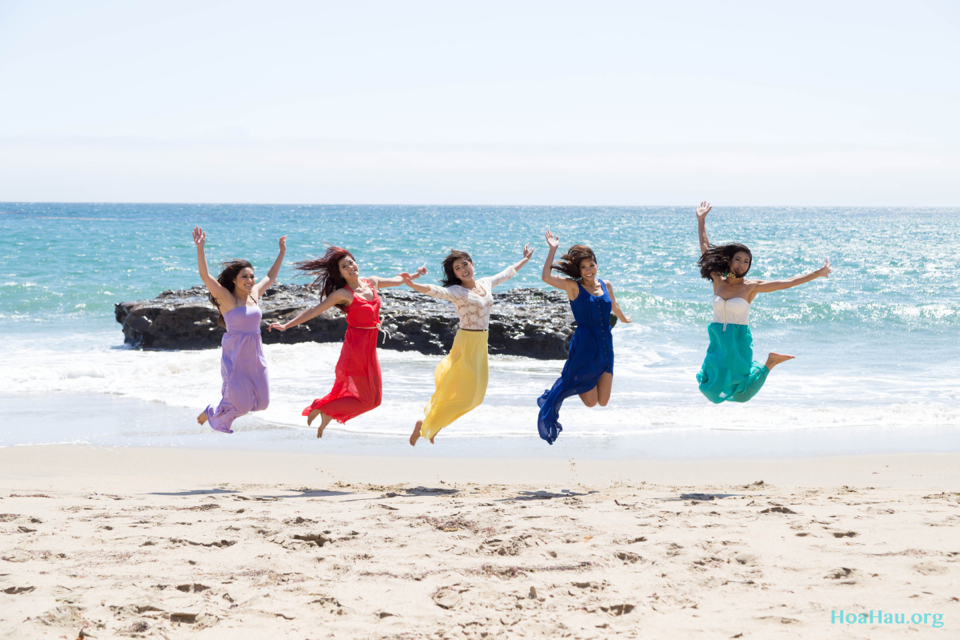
<point x="521" y="102"/>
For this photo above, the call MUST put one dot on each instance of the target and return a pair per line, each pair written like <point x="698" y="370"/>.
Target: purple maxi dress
<point x="243" y="367"/>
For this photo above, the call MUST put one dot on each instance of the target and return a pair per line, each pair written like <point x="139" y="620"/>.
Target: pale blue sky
<point x="633" y="103"/>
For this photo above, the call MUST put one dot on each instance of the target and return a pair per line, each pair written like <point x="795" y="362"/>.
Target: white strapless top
<point x="732" y="311"/>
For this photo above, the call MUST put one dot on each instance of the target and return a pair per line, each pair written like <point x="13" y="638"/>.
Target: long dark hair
<point x="448" y="276"/>
<point x="570" y="261"/>
<point x="326" y="271"/>
<point x="717" y="259"/>
<point x="228" y="273"/>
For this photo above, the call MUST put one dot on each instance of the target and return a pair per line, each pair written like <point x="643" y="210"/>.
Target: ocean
<point x="878" y="360"/>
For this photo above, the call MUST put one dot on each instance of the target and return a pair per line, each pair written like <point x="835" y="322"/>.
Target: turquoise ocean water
<point x="876" y="343"/>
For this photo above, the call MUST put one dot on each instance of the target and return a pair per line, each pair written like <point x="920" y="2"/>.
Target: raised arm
<point x="396" y="281"/>
<point x="223" y="296"/>
<point x="547" y="276"/>
<point x="617" y="311"/>
<point x="264" y="284"/>
<point x="337" y="297"/>
<point x="527" y="254"/>
<point x="511" y="271"/>
<point x="777" y="285"/>
<point x="702" y="212"/>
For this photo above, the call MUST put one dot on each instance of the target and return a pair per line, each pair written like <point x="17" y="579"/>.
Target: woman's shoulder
<point x="343" y="293"/>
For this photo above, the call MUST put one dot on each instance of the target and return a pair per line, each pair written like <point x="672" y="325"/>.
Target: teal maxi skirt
<point x="729" y="372"/>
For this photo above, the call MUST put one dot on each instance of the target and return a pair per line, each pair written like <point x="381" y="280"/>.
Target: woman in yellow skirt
<point x="461" y="377"/>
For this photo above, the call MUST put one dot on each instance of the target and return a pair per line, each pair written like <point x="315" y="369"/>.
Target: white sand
<point x="206" y="544"/>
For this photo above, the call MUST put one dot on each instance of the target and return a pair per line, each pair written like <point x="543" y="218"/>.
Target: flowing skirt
<point x="358" y="387"/>
<point x="729" y="372"/>
<point x="591" y="355"/>
<point x="246" y="387"/>
<point x="461" y="380"/>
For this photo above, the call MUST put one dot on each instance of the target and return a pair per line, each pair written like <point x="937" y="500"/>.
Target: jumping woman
<point x="461" y="377"/>
<point x="236" y="293"/>
<point x="357" y="388"/>
<point x="729" y="372"/>
<point x="588" y="371"/>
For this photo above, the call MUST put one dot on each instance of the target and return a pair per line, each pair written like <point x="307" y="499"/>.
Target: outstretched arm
<point x="396" y="281"/>
<point x="617" y="311"/>
<point x="223" y="296"/>
<point x="337" y="297"/>
<point x="264" y="284"/>
<point x="702" y="212"/>
<point x="547" y="276"/>
<point x="777" y="285"/>
<point x="407" y="279"/>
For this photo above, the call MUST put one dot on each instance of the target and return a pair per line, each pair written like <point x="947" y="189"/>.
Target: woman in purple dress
<point x="244" y="369"/>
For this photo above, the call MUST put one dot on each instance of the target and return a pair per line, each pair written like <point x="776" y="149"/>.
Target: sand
<point x="177" y="543"/>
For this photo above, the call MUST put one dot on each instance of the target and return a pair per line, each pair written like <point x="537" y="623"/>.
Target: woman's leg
<point x="416" y="433"/>
<point x="589" y="397"/>
<point x="324" y="421"/>
<point x="603" y="388"/>
<point x="776" y="358"/>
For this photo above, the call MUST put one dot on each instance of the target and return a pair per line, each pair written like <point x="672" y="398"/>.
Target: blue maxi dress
<point x="591" y="355"/>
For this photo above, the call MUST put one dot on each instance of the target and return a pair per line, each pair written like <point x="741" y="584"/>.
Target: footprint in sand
<point x="840" y="574"/>
<point x="929" y="569"/>
<point x="15" y="590"/>
<point x="628" y="557"/>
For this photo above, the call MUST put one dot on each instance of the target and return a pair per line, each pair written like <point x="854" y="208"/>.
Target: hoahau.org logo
<point x="933" y="619"/>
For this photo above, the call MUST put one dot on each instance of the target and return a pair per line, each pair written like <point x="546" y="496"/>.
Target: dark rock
<point x="525" y="322"/>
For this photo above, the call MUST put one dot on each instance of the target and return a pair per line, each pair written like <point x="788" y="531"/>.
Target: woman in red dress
<point x="357" y="388"/>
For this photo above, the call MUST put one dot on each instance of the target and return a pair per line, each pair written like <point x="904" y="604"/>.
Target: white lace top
<point x="474" y="310"/>
<point x="732" y="311"/>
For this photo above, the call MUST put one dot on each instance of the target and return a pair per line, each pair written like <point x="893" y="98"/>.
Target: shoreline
<point x="111" y="421"/>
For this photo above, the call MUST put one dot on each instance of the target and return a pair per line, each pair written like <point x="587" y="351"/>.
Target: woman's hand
<point x="552" y="241"/>
<point x="199" y="237"/>
<point x="703" y="210"/>
<point x="527" y="252"/>
<point x="408" y="279"/>
<point x="422" y="271"/>
<point x="825" y="270"/>
<point x="283" y="244"/>
<point x="278" y="327"/>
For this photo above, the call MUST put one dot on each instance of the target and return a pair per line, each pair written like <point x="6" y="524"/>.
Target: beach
<point x="177" y="543"/>
<point x="833" y="493"/>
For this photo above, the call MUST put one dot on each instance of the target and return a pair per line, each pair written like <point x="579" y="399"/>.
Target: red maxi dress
<point x="358" y="387"/>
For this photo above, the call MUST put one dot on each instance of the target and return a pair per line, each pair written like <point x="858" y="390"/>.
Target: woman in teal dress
<point x="729" y="371"/>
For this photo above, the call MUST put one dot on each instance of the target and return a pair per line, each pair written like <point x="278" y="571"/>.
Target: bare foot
<point x="202" y="418"/>
<point x="313" y="416"/>
<point x="776" y="358"/>
<point x="323" y="423"/>
<point x="416" y="433"/>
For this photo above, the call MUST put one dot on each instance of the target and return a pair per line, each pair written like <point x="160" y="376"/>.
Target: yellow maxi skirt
<point x="461" y="380"/>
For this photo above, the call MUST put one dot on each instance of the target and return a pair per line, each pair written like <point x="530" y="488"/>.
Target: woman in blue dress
<point x="588" y="371"/>
<point x="729" y="371"/>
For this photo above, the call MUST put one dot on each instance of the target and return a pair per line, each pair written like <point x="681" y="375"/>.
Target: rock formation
<point x="525" y="322"/>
